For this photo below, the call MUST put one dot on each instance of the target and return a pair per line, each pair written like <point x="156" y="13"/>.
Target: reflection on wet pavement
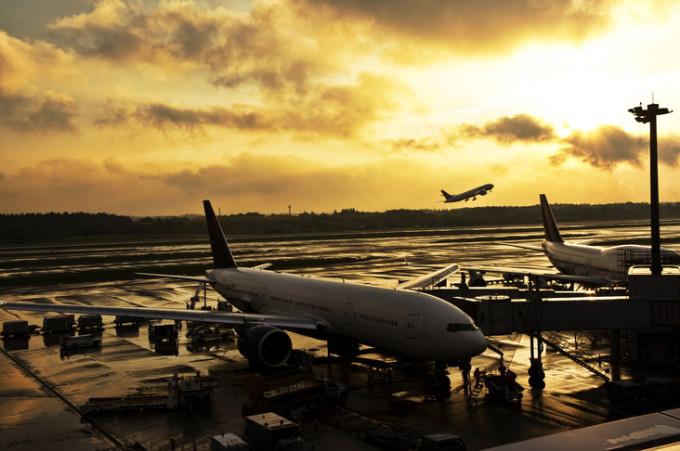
<point x="129" y="361"/>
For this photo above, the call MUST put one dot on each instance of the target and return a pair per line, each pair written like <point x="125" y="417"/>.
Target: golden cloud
<point x="261" y="47"/>
<point x="23" y="106"/>
<point x="467" y="26"/>
<point x="332" y="110"/>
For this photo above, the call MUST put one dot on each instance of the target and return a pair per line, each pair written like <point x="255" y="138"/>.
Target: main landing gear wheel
<point x="536" y="374"/>
<point x="465" y="366"/>
<point x="438" y="384"/>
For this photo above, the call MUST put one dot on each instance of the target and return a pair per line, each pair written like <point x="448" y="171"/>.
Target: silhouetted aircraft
<point x="473" y="193"/>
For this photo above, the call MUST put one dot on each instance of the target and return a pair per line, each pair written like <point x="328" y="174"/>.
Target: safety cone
<point x="316" y="424"/>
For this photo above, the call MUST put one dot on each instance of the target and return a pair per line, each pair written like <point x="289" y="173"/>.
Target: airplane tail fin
<point x="446" y="195"/>
<point x="552" y="233"/>
<point x="220" y="248"/>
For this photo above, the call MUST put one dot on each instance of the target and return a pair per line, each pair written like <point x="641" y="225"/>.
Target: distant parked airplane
<point x="473" y="193"/>
<point x="580" y="263"/>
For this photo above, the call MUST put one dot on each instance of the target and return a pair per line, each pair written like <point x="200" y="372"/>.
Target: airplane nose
<point x="477" y="344"/>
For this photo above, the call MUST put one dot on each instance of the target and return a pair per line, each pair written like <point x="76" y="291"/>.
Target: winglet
<point x="220" y="248"/>
<point x="552" y="233"/>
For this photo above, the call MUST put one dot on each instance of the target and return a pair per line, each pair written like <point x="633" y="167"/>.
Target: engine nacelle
<point x="266" y="346"/>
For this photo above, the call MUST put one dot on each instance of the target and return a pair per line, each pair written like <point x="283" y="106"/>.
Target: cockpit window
<point x="456" y="327"/>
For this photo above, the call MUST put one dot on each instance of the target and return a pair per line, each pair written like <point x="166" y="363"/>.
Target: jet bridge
<point x="649" y="313"/>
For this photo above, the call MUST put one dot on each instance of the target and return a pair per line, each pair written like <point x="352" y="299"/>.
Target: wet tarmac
<point x="32" y="416"/>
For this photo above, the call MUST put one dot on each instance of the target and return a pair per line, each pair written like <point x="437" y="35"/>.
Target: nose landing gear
<point x="536" y="374"/>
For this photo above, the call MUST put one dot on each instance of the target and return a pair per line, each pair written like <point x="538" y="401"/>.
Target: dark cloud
<point x="427" y="144"/>
<point x="604" y="147"/>
<point x="43" y="113"/>
<point x="161" y="116"/>
<point x="262" y="49"/>
<point x="509" y="129"/>
<point x="164" y="117"/>
<point x="28" y="19"/>
<point x="336" y="111"/>
<point x="470" y="26"/>
<point x="669" y="150"/>
<point x="255" y="48"/>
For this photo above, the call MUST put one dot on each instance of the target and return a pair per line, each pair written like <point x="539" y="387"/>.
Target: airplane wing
<point x="430" y="279"/>
<point x="170" y="276"/>
<point x="521" y="246"/>
<point x="229" y="318"/>
<point x="544" y="274"/>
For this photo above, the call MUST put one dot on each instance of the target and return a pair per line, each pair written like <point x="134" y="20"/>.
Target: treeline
<point x="17" y="228"/>
<point x="22" y="228"/>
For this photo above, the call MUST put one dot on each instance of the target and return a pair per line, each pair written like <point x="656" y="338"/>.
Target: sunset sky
<point x="148" y="107"/>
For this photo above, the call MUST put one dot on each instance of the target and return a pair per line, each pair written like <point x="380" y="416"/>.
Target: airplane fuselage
<point x="608" y="262"/>
<point x="479" y="191"/>
<point x="409" y="323"/>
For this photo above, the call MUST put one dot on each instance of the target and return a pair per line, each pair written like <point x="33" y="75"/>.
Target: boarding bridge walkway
<point x="649" y="302"/>
<point x="648" y="311"/>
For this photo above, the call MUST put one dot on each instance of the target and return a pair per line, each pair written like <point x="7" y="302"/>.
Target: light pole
<point x="644" y="116"/>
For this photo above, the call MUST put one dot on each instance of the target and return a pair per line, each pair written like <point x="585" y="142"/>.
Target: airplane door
<point x="349" y="307"/>
<point x="411" y="325"/>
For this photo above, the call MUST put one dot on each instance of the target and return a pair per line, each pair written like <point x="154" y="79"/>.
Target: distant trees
<point x="60" y="226"/>
<point x="21" y="228"/>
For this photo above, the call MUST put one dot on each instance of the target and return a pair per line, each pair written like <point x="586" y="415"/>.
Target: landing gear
<point x="536" y="374"/>
<point x="465" y="366"/>
<point x="438" y="384"/>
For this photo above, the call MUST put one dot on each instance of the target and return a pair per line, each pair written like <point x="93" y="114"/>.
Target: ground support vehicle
<point x="292" y="393"/>
<point x="162" y="331"/>
<point x="271" y="432"/>
<point x="442" y="441"/>
<point x="228" y="442"/>
<point x="503" y="388"/>
<point x="80" y="341"/>
<point x="120" y="320"/>
<point x="90" y="321"/>
<point x="209" y="333"/>
<point x="15" y="328"/>
<point x="192" y="392"/>
<point x="58" y="323"/>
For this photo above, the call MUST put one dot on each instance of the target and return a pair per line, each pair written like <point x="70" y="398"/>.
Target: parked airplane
<point x="473" y="193"/>
<point x="579" y="263"/>
<point x="409" y="323"/>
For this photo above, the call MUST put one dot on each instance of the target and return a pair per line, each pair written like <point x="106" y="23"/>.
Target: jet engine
<point x="266" y="346"/>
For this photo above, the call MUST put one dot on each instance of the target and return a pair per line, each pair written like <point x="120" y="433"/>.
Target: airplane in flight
<point x="580" y="263"/>
<point x="473" y="193"/>
<point x="405" y="322"/>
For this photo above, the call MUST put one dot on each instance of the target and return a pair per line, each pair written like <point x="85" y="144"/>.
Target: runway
<point x="31" y="417"/>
